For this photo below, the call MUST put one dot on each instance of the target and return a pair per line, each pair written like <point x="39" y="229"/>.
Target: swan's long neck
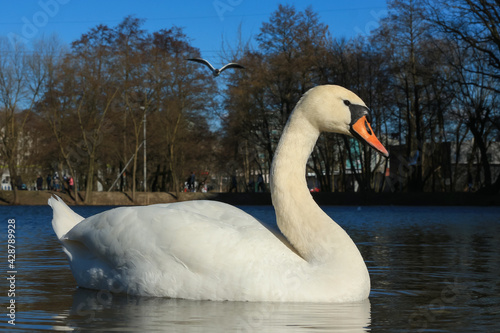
<point x="314" y="235"/>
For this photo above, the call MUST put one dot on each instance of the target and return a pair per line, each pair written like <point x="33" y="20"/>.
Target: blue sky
<point x="207" y="23"/>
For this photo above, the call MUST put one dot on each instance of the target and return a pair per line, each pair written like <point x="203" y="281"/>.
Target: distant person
<point x="469" y="182"/>
<point x="19" y="183"/>
<point x="261" y="187"/>
<point x="191" y="181"/>
<point x="64" y="183"/>
<point x="39" y="183"/>
<point x="251" y="185"/>
<point x="71" y="183"/>
<point x="49" y="182"/>
<point x="234" y="184"/>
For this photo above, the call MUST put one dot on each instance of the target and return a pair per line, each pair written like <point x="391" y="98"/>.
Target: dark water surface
<point x="433" y="269"/>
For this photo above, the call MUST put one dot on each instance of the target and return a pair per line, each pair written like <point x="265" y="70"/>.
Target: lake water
<point x="433" y="269"/>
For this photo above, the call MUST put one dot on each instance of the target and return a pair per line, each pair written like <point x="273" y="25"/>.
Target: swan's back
<point x="194" y="250"/>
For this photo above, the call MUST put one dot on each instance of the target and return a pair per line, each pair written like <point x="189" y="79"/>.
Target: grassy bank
<point x="101" y="198"/>
<point x="125" y="199"/>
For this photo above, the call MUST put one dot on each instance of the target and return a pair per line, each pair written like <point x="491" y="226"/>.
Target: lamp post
<point x="145" y="169"/>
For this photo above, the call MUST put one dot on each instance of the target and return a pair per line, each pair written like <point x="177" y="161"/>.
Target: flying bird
<point x="215" y="71"/>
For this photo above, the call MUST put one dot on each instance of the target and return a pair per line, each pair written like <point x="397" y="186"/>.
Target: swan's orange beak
<point x="363" y="131"/>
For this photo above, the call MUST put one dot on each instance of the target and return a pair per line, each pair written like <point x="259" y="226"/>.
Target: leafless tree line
<point x="430" y="74"/>
<point x="80" y="111"/>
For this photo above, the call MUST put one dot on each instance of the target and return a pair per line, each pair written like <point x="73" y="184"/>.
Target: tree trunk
<point x="134" y="172"/>
<point x="13" y="181"/>
<point x="90" y="180"/>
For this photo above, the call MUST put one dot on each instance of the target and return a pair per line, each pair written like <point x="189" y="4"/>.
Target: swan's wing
<point x="203" y="61"/>
<point x="231" y="65"/>
<point x="197" y="235"/>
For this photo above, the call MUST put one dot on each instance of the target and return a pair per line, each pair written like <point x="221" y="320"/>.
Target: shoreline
<point x="32" y="198"/>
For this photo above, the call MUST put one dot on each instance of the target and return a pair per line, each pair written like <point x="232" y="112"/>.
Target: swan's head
<point x="335" y="109"/>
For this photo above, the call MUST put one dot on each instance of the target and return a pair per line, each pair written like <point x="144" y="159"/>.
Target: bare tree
<point x="476" y="23"/>
<point x="473" y="25"/>
<point x="23" y="75"/>
<point x="92" y="60"/>
<point x="182" y="97"/>
<point x="129" y="44"/>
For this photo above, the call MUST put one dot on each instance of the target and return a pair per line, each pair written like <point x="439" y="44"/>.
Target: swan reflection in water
<point x="94" y="309"/>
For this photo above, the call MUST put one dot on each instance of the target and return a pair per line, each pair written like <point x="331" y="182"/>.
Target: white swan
<point x="208" y="250"/>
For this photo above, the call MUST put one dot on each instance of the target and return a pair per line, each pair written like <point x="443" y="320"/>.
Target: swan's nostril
<point x="368" y="128"/>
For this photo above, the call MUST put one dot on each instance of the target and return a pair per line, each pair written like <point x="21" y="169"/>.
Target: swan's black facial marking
<point x="357" y="111"/>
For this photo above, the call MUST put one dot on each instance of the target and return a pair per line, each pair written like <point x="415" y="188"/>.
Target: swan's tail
<point x="64" y="218"/>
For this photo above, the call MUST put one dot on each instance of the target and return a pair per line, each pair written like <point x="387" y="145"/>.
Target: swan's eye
<point x="346" y="102"/>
